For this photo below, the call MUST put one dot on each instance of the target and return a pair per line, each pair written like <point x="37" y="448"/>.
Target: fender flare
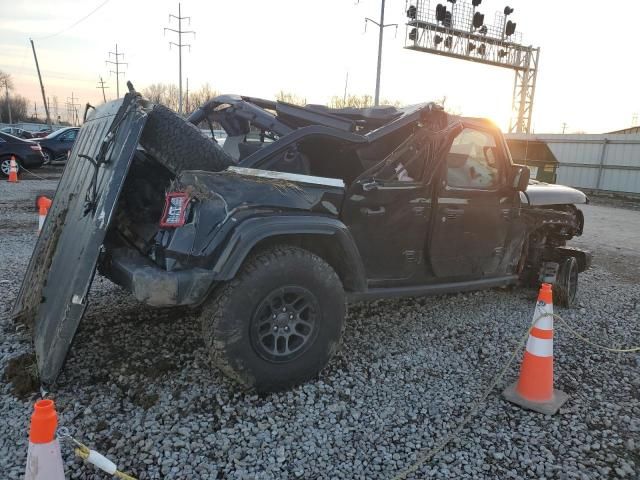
<point x="251" y="231"/>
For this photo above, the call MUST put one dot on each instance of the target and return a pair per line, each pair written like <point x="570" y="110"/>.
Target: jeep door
<point x="475" y="206"/>
<point x="386" y="210"/>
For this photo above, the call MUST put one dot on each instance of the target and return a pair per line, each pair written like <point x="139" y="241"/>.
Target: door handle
<point x="371" y="212"/>
<point x="453" y="213"/>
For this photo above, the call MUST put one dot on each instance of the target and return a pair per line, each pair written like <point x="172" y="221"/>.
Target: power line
<point x="72" y="110"/>
<point x="117" y="63"/>
<point x="76" y="23"/>
<point x="101" y="85"/>
<point x="180" y="45"/>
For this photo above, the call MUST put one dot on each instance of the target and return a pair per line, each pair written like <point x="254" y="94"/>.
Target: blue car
<point x="56" y="145"/>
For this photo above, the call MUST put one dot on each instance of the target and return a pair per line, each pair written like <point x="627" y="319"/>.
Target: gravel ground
<point x="137" y="385"/>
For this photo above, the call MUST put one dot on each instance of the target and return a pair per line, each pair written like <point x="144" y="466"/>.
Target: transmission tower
<point x="457" y="29"/>
<point x="72" y="110"/>
<point x="117" y="63"/>
<point x="180" y="45"/>
<point x="101" y="85"/>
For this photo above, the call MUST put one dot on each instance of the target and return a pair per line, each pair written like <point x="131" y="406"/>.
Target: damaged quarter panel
<point x="223" y="201"/>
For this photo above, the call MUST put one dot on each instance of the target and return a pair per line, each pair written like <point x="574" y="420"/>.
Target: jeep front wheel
<point x="278" y="322"/>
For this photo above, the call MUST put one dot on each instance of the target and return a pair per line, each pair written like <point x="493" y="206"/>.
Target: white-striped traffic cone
<point x="43" y="203"/>
<point x="534" y="389"/>
<point x="44" y="460"/>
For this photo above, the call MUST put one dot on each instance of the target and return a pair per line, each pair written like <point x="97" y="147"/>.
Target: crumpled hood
<point x="540" y="193"/>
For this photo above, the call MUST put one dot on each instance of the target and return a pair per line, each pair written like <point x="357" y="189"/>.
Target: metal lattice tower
<point x="117" y="63"/>
<point x="180" y="46"/>
<point x="456" y="36"/>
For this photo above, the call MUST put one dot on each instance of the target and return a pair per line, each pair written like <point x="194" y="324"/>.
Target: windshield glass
<point x="56" y="133"/>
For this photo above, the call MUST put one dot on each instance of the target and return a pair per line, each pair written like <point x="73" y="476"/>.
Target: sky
<point x="588" y="75"/>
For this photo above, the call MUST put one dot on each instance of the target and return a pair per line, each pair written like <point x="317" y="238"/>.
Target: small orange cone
<point x="44" y="460"/>
<point x="13" y="170"/>
<point x="43" y="203"/>
<point x="534" y="389"/>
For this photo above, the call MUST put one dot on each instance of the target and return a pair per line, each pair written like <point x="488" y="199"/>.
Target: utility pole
<point x="101" y="85"/>
<point x="564" y="127"/>
<point x="117" y="63"/>
<point x="346" y="82"/>
<point x="381" y="27"/>
<point x="44" y="97"/>
<point x="35" y="110"/>
<point x="72" y="108"/>
<point x="187" y="97"/>
<point x="180" y="45"/>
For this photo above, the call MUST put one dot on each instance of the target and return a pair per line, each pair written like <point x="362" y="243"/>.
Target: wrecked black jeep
<point x="302" y="209"/>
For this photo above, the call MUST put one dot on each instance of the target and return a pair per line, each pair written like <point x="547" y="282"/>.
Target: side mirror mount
<point x="520" y="177"/>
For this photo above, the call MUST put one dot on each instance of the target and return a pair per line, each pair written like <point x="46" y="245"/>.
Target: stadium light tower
<point x="456" y="29"/>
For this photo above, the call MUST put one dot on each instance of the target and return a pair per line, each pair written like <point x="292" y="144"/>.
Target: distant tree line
<point x="167" y="94"/>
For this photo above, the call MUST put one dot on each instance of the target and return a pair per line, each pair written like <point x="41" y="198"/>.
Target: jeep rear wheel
<point x="278" y="322"/>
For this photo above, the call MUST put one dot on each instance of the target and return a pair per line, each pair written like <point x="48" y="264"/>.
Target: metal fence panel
<point x="609" y="162"/>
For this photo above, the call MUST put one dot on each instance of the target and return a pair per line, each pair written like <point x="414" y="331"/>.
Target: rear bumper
<point x="32" y="160"/>
<point x="152" y="285"/>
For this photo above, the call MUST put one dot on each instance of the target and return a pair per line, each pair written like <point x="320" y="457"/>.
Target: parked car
<point x="56" y="145"/>
<point x="42" y="133"/>
<point x="28" y="154"/>
<point x="17" y="132"/>
<point x="269" y="237"/>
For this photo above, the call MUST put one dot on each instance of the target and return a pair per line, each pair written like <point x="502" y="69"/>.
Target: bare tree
<point x="357" y="101"/>
<point x="155" y="92"/>
<point x="18" y="106"/>
<point x="289" y="97"/>
<point x="6" y="84"/>
<point x="201" y="96"/>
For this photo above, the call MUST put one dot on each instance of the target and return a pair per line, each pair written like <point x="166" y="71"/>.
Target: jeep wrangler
<point x="301" y="210"/>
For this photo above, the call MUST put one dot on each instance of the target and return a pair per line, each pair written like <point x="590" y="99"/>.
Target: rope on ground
<point x="31" y="173"/>
<point x="93" y="457"/>
<point x="566" y="325"/>
<point x="428" y="455"/>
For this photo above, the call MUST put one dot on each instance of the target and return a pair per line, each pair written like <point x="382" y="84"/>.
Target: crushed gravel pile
<point x="138" y="387"/>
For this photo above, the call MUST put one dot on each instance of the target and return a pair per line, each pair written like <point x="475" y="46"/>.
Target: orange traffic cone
<point x="44" y="460"/>
<point x="534" y="389"/>
<point x="13" y="170"/>
<point x="43" y="203"/>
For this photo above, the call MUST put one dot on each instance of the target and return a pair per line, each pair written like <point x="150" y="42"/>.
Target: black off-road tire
<point x="228" y="318"/>
<point x="565" y="288"/>
<point x="180" y="145"/>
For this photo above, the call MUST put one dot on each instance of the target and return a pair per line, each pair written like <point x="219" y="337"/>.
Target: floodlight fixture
<point x="437" y="40"/>
<point x="482" y="49"/>
<point x="448" y="42"/>
<point x="478" y="20"/>
<point x="510" y="29"/>
<point x="475" y="3"/>
<point x="471" y="47"/>
<point x="412" y="12"/>
<point x="502" y="53"/>
<point x="508" y="11"/>
<point x="441" y="12"/>
<point x="447" y="19"/>
<point x="413" y="34"/>
<point x="483" y="30"/>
